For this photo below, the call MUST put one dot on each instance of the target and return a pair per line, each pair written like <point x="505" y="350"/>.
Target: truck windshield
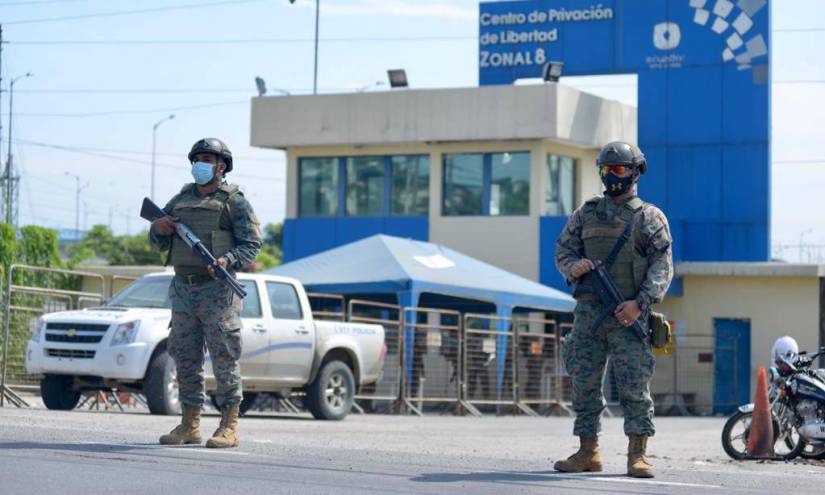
<point x="146" y="292"/>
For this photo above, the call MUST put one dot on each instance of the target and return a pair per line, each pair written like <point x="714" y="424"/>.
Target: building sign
<point x="703" y="71"/>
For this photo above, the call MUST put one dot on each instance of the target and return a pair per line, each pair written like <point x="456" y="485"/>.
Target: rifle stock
<point x="151" y="212"/>
<point x="611" y="297"/>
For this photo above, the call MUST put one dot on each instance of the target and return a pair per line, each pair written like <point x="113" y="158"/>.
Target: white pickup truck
<point x="123" y="344"/>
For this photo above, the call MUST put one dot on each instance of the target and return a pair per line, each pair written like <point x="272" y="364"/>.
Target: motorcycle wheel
<point x="736" y="432"/>
<point x="813" y="452"/>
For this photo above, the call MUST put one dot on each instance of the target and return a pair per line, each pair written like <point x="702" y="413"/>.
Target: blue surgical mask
<point x="203" y="172"/>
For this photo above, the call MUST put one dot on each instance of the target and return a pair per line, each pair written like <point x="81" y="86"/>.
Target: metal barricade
<point x="327" y="306"/>
<point x="489" y="362"/>
<point x="23" y="303"/>
<point x="539" y="383"/>
<point x="686" y="380"/>
<point x="431" y="358"/>
<point x="118" y="283"/>
<point x="565" y="389"/>
<point x="388" y="387"/>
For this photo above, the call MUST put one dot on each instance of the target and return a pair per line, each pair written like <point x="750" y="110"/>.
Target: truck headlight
<point x="38" y="326"/>
<point x="125" y="333"/>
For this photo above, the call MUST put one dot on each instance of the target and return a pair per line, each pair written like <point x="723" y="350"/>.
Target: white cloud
<point x="402" y="8"/>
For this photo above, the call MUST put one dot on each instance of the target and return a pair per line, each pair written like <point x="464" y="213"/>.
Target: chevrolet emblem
<point x="71" y="332"/>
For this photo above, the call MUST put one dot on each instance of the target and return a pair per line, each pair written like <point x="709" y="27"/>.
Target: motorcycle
<point x="797" y="398"/>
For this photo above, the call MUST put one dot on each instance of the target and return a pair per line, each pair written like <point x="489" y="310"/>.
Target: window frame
<point x="340" y="186"/>
<point x="343" y="180"/>
<point x="574" y="184"/>
<point x="486" y="182"/>
<point x="253" y="287"/>
<point x="301" y="315"/>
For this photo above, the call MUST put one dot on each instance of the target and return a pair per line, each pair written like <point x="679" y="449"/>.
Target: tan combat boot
<point x="189" y="429"/>
<point x="227" y="433"/>
<point x="637" y="465"/>
<point x="586" y="459"/>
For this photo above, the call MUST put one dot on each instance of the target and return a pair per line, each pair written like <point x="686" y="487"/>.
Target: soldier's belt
<point x="194" y="279"/>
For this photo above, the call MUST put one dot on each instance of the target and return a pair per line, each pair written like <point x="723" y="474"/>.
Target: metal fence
<point x="539" y="378"/>
<point x="327" y="306"/>
<point x="118" y="283"/>
<point x="431" y="358"/>
<point x="384" y="395"/>
<point x="435" y="360"/>
<point x="687" y="381"/>
<point x="31" y="292"/>
<point x="490" y="363"/>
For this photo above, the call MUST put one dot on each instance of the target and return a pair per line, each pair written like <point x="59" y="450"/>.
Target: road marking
<point x="596" y="477"/>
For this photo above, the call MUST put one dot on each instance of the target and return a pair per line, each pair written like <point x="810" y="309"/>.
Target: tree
<point x="270" y="255"/>
<point x="99" y="242"/>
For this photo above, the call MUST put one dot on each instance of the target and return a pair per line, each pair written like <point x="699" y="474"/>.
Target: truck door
<point x="254" y="334"/>
<point x="292" y="335"/>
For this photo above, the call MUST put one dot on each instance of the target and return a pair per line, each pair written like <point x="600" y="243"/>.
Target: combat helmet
<point x="621" y="153"/>
<point x="215" y="147"/>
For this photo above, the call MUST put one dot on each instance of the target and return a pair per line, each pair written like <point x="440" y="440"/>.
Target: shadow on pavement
<point x="509" y="476"/>
<point x="100" y="448"/>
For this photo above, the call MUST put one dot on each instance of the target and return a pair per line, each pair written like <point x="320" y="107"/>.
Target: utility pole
<point x="77" y="204"/>
<point x="1" y="88"/>
<point x="317" y="18"/>
<point x="8" y="176"/>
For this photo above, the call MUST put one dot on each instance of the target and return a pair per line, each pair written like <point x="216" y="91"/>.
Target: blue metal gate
<point x="732" y="363"/>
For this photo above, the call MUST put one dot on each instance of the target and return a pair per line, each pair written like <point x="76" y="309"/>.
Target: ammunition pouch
<point x="661" y="335"/>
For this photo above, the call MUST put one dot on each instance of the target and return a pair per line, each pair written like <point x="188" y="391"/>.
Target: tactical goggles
<point x="616" y="169"/>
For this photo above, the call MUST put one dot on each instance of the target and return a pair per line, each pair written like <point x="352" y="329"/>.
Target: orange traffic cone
<point x="760" y="440"/>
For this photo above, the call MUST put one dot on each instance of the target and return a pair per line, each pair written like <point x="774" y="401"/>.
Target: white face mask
<point x="203" y="172"/>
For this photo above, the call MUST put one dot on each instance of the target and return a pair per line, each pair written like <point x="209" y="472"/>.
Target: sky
<point x="102" y="81"/>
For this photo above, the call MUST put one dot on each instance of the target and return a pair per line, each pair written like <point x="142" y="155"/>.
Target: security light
<point x="552" y="71"/>
<point x="259" y="82"/>
<point x="398" y="78"/>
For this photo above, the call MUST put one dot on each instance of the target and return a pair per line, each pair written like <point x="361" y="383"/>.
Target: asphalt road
<point x="81" y="452"/>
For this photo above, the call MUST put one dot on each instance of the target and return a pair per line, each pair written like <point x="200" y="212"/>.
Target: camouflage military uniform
<point x="645" y="260"/>
<point x="206" y="314"/>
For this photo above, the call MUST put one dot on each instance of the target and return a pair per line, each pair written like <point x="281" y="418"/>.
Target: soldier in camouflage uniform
<point x="205" y="313"/>
<point x="642" y="271"/>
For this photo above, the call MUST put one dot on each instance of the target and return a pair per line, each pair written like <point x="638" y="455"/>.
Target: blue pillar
<point x="502" y="311"/>
<point x="408" y="299"/>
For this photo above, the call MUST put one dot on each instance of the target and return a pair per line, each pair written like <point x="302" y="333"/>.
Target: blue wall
<point x="703" y="121"/>
<point x="306" y="236"/>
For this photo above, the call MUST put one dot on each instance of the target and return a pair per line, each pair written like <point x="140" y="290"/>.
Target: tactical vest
<point x="599" y="235"/>
<point x="210" y="218"/>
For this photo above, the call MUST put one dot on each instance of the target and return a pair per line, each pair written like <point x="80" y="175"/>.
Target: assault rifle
<point x="610" y="296"/>
<point x="150" y="211"/>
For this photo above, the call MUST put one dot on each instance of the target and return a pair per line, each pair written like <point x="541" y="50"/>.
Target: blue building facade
<point x="703" y="71"/>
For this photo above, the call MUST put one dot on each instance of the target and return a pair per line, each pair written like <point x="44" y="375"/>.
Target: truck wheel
<point x="330" y="395"/>
<point x="246" y="404"/>
<point x="57" y="393"/>
<point x="161" y="385"/>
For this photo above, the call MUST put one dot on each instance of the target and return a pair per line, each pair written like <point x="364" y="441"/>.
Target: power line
<point x="127" y="12"/>
<point x="39" y="2"/>
<point x="178" y="155"/>
<point x="128" y="112"/>
<point x="259" y="41"/>
<point x="72" y="149"/>
<point x="242" y="41"/>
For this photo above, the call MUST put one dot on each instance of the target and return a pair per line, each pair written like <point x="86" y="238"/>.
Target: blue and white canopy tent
<point x="414" y="273"/>
<point x="408" y="268"/>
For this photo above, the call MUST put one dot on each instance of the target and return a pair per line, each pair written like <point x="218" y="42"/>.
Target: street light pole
<point x="317" y="19"/>
<point x="9" y="165"/>
<point x="154" y="139"/>
<point x="76" y="205"/>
